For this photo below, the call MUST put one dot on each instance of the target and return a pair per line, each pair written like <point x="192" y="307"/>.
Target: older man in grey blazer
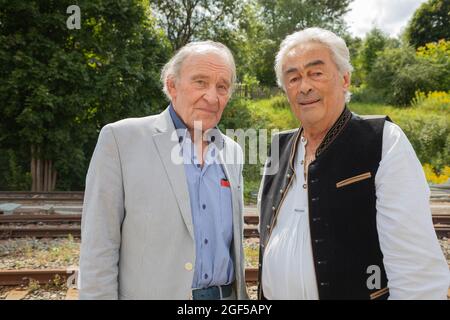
<point x="162" y="215"/>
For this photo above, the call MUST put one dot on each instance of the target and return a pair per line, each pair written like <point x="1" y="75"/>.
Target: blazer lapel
<point x="169" y="150"/>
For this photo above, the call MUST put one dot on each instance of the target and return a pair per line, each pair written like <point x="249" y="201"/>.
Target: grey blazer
<point x="137" y="231"/>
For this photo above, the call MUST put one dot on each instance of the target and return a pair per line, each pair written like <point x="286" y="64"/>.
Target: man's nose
<point x="305" y="87"/>
<point x="211" y="96"/>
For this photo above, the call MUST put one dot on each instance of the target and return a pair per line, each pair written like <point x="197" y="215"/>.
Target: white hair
<point x="339" y="51"/>
<point x="173" y="67"/>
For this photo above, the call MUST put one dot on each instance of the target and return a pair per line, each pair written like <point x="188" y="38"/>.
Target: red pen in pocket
<point x="225" y="183"/>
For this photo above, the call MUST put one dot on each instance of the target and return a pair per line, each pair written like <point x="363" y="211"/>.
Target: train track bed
<point x="35" y="292"/>
<point x="44" y="253"/>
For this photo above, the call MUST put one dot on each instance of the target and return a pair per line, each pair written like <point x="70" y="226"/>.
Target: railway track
<point x="440" y="194"/>
<point x="23" y="197"/>
<point x="61" y="225"/>
<point x="38" y="218"/>
<point x="47" y="276"/>
<point x="40" y="225"/>
<point x="39" y="232"/>
<point x="34" y="222"/>
<point x="18" y="280"/>
<point x="41" y="195"/>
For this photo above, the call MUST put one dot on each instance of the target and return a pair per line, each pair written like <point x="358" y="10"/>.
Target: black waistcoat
<point x="342" y="205"/>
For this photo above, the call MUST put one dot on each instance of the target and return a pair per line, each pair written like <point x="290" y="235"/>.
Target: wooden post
<point x="33" y="169"/>
<point x="45" y="185"/>
<point x="54" y="180"/>
<point x="38" y="170"/>
<point x="50" y="175"/>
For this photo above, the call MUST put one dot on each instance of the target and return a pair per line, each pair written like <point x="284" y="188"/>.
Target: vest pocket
<point x="380" y="293"/>
<point x="354" y="179"/>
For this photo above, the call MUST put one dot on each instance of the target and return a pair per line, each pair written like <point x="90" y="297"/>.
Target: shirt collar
<point x="176" y="119"/>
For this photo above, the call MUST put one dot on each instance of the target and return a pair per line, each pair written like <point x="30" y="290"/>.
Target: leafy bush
<point x="428" y="131"/>
<point x="438" y="53"/>
<point x="366" y="94"/>
<point x="13" y="176"/>
<point x="398" y="73"/>
<point x="437" y="101"/>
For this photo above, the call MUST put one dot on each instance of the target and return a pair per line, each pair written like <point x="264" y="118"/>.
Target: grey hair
<point x="173" y="67"/>
<point x="339" y="51"/>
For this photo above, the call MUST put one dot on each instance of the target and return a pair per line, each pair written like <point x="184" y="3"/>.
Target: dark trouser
<point x="225" y="292"/>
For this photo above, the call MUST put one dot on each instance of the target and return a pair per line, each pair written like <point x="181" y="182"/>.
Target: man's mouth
<point x="308" y="102"/>
<point x="207" y="110"/>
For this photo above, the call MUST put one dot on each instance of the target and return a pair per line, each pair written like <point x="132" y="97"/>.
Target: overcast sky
<point x="391" y="16"/>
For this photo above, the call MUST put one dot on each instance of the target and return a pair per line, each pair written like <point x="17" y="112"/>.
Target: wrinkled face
<point x="202" y="90"/>
<point x="314" y="85"/>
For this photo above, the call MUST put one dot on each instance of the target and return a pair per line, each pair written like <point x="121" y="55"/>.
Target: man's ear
<point x="171" y="87"/>
<point x="346" y="80"/>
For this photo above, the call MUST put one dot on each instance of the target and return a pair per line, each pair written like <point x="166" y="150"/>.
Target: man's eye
<point x="317" y="74"/>
<point x="293" y="80"/>
<point x="222" y="88"/>
<point x="201" y="82"/>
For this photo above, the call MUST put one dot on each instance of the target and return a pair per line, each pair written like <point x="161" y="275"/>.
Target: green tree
<point x="249" y="42"/>
<point x="398" y="73"/>
<point x="283" y="17"/>
<point x="59" y="86"/>
<point x="430" y="23"/>
<point x="187" y="20"/>
<point x="374" y="42"/>
<point x="286" y="16"/>
<point x="438" y="54"/>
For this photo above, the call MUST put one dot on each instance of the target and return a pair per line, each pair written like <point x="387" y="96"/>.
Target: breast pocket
<point x="226" y="208"/>
<point x="354" y="179"/>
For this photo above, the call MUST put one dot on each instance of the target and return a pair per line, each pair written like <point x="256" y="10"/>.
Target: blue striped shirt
<point x="211" y="208"/>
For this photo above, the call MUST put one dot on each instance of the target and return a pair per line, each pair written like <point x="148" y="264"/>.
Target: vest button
<point x="316" y="219"/>
<point x="319" y="241"/>
<point x="288" y="176"/>
<point x="281" y="190"/>
<point x="315" y="199"/>
<point x="314" y="180"/>
<point x="273" y="208"/>
<point x="321" y="262"/>
<point x="324" y="284"/>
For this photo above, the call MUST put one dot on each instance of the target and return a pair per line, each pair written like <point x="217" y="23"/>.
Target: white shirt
<point x="415" y="265"/>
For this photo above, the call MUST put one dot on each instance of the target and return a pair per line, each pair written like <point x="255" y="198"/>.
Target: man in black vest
<point x="344" y="204"/>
